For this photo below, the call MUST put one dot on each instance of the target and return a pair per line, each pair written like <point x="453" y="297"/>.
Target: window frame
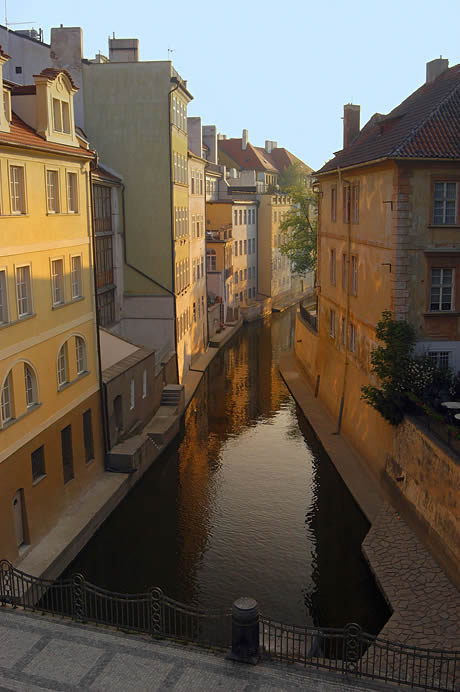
<point x="346" y="192"/>
<point x="332" y="266"/>
<point x="57" y="200"/>
<point x="12" y="165"/>
<point x="439" y="310"/>
<point x="28" y="369"/>
<point x="53" y="261"/>
<point x="71" y="174"/>
<point x="334" y="203"/>
<point x="62" y="367"/>
<point x="81" y="355"/>
<point x="79" y="283"/>
<point x="354" y="275"/>
<point x="332" y="330"/>
<point x="4" y="297"/>
<point x="445" y="181"/>
<point x="24" y="315"/>
<point x="36" y="477"/>
<point x="88" y="437"/>
<point x="67" y="454"/>
<point x="7" y="387"/>
<point x="354" y="203"/>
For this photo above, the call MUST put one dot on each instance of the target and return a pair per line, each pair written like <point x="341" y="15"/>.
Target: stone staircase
<point x="173" y="396"/>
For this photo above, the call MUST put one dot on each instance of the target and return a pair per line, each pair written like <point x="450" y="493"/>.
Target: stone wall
<point x="427" y="475"/>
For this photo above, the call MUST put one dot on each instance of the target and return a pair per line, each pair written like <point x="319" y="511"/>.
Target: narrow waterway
<point x="245" y="503"/>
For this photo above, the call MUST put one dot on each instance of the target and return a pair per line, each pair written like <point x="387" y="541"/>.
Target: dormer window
<point x="7" y="105"/>
<point x="61" y="116"/>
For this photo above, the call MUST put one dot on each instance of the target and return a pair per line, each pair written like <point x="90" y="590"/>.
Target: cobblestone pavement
<point x="426" y="605"/>
<point x="40" y="654"/>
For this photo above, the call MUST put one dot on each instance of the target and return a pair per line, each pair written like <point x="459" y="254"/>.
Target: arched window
<point x="211" y="260"/>
<point x="30" y="383"/>
<point x="62" y="368"/>
<point x="6" y="403"/>
<point x="80" y="352"/>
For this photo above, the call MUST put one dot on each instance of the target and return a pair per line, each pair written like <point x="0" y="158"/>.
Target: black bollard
<point x="245" y="631"/>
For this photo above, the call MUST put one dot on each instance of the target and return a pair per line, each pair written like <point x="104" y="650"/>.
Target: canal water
<point x="246" y="502"/>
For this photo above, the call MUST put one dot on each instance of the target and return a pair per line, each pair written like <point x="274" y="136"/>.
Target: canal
<point x="246" y="502"/>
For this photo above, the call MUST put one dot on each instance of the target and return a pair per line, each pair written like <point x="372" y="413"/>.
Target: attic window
<point x="61" y="116"/>
<point x="7" y="105"/>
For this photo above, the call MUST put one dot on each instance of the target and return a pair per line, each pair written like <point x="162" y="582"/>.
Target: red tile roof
<point x="256" y="158"/>
<point x="24" y="89"/>
<point x="23" y="135"/>
<point x="425" y="125"/>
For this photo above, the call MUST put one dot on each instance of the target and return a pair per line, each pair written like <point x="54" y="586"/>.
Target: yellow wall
<point x="35" y="238"/>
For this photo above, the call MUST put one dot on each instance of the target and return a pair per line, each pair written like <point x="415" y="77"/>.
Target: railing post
<point x="245" y="631"/>
<point x="352" y="634"/>
<point x="156" y="611"/>
<point x="78" y="598"/>
<point x="7" y="594"/>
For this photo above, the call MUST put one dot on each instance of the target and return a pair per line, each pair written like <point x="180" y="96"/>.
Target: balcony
<point x="310" y="316"/>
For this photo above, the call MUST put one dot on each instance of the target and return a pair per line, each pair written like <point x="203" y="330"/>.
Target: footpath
<point x="49" y="558"/>
<point x="425" y="604"/>
<point x="39" y="654"/>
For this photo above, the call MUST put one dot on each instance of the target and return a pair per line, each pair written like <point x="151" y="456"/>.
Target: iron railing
<point x="349" y="650"/>
<point x="309" y="317"/>
<point x="354" y="652"/>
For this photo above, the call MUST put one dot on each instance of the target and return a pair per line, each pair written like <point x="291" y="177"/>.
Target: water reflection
<point x="245" y="503"/>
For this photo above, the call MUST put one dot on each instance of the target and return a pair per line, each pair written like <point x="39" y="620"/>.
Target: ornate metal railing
<point x="353" y="652"/>
<point x="349" y="651"/>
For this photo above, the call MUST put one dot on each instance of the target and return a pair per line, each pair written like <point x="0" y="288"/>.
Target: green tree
<point x="300" y="223"/>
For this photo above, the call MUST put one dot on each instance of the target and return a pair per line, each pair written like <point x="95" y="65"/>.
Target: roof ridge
<point x="415" y="130"/>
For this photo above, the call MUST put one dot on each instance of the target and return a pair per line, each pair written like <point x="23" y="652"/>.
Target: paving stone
<point x="126" y="671"/>
<point x="14" y="644"/>
<point x="64" y="661"/>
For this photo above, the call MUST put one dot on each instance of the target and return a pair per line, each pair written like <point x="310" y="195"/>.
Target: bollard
<point x="245" y="631"/>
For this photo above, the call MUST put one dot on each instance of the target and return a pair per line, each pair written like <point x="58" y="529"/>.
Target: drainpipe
<point x="347" y="312"/>
<point x="104" y="411"/>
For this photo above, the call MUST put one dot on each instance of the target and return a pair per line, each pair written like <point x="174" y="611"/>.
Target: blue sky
<point x="282" y="70"/>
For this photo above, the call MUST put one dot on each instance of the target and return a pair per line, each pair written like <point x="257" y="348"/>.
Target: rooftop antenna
<point x="8" y="24"/>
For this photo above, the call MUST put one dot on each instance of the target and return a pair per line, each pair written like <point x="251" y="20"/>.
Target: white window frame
<point x="6" y="400"/>
<point x="4" y="302"/>
<point x="50" y="201"/>
<point x="81" y="355"/>
<point x="72" y="195"/>
<point x="76" y="277"/>
<point x="440" y="286"/>
<point x="57" y="281"/>
<point x="444" y="200"/>
<point x="17" y="189"/>
<point x="436" y="355"/>
<point x="30" y="385"/>
<point x="62" y="366"/>
<point x="28" y="292"/>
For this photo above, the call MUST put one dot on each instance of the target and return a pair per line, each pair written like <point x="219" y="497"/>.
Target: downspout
<point x="347" y="312"/>
<point x="171" y="193"/>
<point x="105" y="422"/>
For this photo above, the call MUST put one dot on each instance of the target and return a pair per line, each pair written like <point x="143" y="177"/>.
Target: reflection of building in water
<point x="334" y="569"/>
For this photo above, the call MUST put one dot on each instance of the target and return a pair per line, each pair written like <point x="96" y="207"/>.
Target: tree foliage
<point x="300" y="221"/>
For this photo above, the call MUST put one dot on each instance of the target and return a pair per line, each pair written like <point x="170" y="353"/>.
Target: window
<point x="57" y="281"/>
<point x="240" y="216"/>
<point x="61" y="116"/>
<point x="355" y="203"/>
<point x="72" y="193"/>
<point x="334" y="203"/>
<point x="235" y="278"/>
<point x="445" y="203"/>
<point x="332" y="267"/>
<point x="235" y="217"/>
<point x="245" y="247"/>
<point x="3" y="297"/>
<point x="245" y="274"/>
<point x="88" y="435"/>
<point x="52" y="191"/>
<point x="441" y="291"/>
<point x="17" y="195"/>
<point x="132" y="395"/>
<point x="344" y="272"/>
<point x="23" y="291"/>
<point x="354" y="275"/>
<point x="241" y="275"/>
<point x="245" y="216"/>
<point x="80" y="354"/>
<point x="440" y="358"/>
<point x="62" y="370"/>
<point x="102" y="208"/>
<point x="241" y="247"/>
<point x="75" y="276"/>
<point x="346" y="204"/>
<point x="67" y="453"/>
<point x="344" y="332"/>
<point x="30" y="385"/>
<point x="352" y="338"/>
<point x="38" y="464"/>
<point x="236" y="249"/>
<point x="7" y="105"/>
<point x="6" y="404"/>
<point x="253" y="245"/>
<point x="211" y="260"/>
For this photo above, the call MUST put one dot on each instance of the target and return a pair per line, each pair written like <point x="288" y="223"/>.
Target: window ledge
<point x="12" y="421"/>
<point x="59" y="306"/>
<point x="37" y="480"/>
<point x="61" y="387"/>
<point x="443" y="313"/>
<point x="443" y="225"/>
<point x="14" y="216"/>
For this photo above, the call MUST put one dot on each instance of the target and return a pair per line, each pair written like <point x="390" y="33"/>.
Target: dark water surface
<point x="245" y="503"/>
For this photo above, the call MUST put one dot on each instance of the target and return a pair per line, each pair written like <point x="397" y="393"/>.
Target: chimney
<point x="350" y="123"/>
<point x="435" y="68"/>
<point x="244" y="140"/>
<point x="123" y="49"/>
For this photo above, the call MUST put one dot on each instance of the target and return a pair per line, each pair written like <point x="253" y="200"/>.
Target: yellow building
<point x="388" y="240"/>
<point x="51" y="445"/>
